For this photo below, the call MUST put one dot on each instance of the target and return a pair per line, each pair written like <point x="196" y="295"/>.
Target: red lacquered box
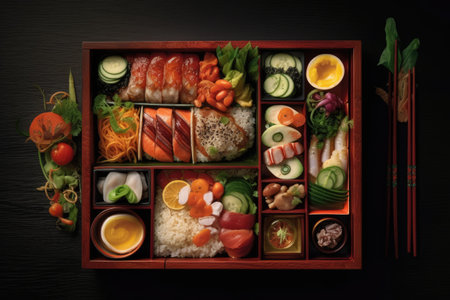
<point x="308" y="257"/>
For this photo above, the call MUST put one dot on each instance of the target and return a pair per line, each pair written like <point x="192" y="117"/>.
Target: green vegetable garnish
<point x="212" y="150"/>
<point x="224" y="120"/>
<point x="282" y="234"/>
<point x="102" y="109"/>
<point x="406" y="59"/>
<point x="123" y="191"/>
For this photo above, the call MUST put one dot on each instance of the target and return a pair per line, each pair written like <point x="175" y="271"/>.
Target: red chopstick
<point x="409" y="173"/>
<point x="414" y="168"/>
<point x="394" y="153"/>
<point x="389" y="169"/>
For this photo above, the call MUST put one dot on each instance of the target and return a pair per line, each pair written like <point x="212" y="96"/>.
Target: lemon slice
<point x="171" y="192"/>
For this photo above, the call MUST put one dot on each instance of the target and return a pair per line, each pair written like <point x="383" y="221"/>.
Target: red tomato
<point x="237" y="243"/>
<point x="217" y="190"/>
<point x="56" y="210"/>
<point x="233" y="220"/>
<point x="62" y="154"/>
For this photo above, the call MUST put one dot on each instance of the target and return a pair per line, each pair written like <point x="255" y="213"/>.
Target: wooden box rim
<point x="355" y="169"/>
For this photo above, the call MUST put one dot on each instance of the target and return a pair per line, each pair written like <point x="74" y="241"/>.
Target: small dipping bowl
<point x="341" y="241"/>
<point x="325" y="71"/>
<point x="117" y="232"/>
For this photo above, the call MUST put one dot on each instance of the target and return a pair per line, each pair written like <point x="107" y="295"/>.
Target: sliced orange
<point x="299" y="120"/>
<point x="171" y="192"/>
<point x="286" y="116"/>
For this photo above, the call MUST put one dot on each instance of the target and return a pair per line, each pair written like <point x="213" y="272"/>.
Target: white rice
<point x="174" y="231"/>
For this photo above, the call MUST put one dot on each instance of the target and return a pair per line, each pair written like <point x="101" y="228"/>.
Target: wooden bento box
<point x="305" y="252"/>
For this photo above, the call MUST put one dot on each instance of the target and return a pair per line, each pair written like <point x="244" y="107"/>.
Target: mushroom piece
<point x="271" y="189"/>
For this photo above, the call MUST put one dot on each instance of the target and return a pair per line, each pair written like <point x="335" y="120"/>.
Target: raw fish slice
<point x="182" y="135"/>
<point x="172" y="78"/>
<point x="163" y="144"/>
<point x="190" y="72"/>
<point x="155" y="78"/>
<point x="149" y="132"/>
<point x="135" y="91"/>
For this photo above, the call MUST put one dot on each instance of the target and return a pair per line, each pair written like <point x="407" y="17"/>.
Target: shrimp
<point x="313" y="157"/>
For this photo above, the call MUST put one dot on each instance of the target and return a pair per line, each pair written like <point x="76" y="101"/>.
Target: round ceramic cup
<point x="96" y="233"/>
<point x="312" y="64"/>
<point x="342" y="240"/>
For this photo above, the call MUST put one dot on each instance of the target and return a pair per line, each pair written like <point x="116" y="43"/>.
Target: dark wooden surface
<point x="41" y="40"/>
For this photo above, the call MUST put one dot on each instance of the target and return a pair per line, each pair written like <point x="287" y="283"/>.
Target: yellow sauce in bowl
<point x="325" y="71"/>
<point x="121" y="233"/>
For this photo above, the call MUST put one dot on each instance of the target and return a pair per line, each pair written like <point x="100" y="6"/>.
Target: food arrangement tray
<point x="307" y="255"/>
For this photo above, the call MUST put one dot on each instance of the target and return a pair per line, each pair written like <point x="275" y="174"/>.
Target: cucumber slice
<point x="235" y="202"/>
<point x="110" y="76"/>
<point x="282" y="61"/>
<point x="107" y="80"/>
<point x="271" y="83"/>
<point x="326" y="178"/>
<point x="283" y="86"/>
<point x="114" y="64"/>
<point x="336" y="173"/>
<point x="298" y="64"/>
<point x="267" y="61"/>
<point x="291" y="87"/>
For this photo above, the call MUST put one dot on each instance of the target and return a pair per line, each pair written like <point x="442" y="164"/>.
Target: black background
<point x="41" y="40"/>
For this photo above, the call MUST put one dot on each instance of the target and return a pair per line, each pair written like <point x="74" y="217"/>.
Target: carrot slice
<point x="286" y="116"/>
<point x="299" y="120"/>
<point x="202" y="237"/>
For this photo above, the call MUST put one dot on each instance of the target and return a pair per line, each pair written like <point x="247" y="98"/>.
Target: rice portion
<point x="174" y="230"/>
<point x="224" y="139"/>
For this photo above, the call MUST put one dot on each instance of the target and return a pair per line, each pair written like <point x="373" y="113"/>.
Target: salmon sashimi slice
<point x="163" y="142"/>
<point x="189" y="78"/>
<point x="149" y="132"/>
<point x="155" y="78"/>
<point x="182" y="135"/>
<point x="172" y="78"/>
<point x="135" y="91"/>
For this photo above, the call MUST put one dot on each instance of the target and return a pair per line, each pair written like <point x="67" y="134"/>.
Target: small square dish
<point x="283" y="236"/>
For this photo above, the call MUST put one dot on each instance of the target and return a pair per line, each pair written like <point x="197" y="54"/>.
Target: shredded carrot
<point x="119" y="147"/>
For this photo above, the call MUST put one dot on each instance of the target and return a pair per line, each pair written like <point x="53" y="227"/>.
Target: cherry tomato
<point x="62" y="154"/>
<point x="56" y="210"/>
<point x="217" y="190"/>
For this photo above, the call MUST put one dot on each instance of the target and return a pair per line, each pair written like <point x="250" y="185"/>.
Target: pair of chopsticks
<point x="411" y="186"/>
<point x="392" y="178"/>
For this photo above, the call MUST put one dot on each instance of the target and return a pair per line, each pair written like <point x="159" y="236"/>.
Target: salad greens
<point x="240" y="67"/>
<point x="103" y="109"/>
<point x="406" y="59"/>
